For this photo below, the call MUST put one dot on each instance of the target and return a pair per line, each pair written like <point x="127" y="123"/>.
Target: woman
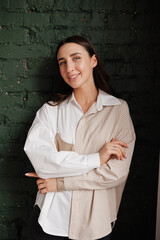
<point x="80" y="146"/>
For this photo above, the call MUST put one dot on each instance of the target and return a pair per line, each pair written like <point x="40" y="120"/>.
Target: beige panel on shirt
<point x="97" y="193"/>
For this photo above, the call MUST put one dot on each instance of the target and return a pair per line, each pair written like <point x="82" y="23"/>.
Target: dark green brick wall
<point x="126" y="35"/>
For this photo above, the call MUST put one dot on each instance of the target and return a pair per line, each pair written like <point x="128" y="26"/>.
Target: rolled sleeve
<point x="60" y="184"/>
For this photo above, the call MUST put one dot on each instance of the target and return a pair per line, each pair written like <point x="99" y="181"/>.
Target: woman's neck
<point x="86" y="97"/>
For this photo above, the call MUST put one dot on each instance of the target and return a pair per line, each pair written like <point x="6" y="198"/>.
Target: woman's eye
<point x="61" y="63"/>
<point x="76" y="58"/>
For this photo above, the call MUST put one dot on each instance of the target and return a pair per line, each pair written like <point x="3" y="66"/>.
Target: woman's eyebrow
<point x="74" y="54"/>
<point x="70" y="56"/>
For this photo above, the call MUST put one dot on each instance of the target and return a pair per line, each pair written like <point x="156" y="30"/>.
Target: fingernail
<point x="26" y="174"/>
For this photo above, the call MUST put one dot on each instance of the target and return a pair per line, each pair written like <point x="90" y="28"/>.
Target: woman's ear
<point x="94" y="61"/>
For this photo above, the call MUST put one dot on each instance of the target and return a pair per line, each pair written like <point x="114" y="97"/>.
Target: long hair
<point x="63" y="90"/>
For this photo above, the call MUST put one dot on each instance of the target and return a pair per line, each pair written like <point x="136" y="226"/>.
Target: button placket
<point x="79" y="136"/>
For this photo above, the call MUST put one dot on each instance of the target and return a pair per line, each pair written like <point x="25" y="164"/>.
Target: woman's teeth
<point x="74" y="76"/>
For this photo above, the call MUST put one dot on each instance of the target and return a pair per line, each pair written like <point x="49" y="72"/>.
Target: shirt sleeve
<point x="42" y="152"/>
<point x="113" y="173"/>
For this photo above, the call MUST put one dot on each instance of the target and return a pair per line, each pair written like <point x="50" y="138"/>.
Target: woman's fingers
<point x="119" y="148"/>
<point x="40" y="181"/>
<point x="32" y="174"/>
<point x="119" y="143"/>
<point x="114" y="147"/>
<point x="43" y="191"/>
<point x="117" y="152"/>
<point x="47" y="185"/>
<point x="42" y="184"/>
<point x="42" y="188"/>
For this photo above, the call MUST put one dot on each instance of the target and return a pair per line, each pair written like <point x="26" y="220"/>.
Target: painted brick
<point x="97" y="5"/>
<point x="71" y="5"/>
<point x="41" y="6"/>
<point x="36" y="19"/>
<point x="5" y="4"/>
<point x="18" y="36"/>
<point x="125" y="6"/>
<point x="11" y="19"/>
<point x="37" y="84"/>
<point x="68" y="19"/>
<point x="13" y="5"/>
<point x="5" y="131"/>
<point x="52" y="36"/>
<point x="19" y="118"/>
<point x="12" y="69"/>
<point x="11" y="99"/>
<point x="121" y="21"/>
<point x="119" y="36"/>
<point x="19" y="52"/>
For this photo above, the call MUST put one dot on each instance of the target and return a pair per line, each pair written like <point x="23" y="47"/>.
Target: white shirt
<point x="48" y="163"/>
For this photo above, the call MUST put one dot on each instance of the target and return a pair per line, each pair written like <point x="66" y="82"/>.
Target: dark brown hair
<point x="63" y="90"/>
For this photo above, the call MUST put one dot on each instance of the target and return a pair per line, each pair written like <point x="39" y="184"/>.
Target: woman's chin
<point x="74" y="84"/>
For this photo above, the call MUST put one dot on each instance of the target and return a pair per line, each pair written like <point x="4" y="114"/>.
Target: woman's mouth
<point x="73" y="77"/>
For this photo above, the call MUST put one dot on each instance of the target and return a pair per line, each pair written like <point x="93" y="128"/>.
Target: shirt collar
<point x="103" y="99"/>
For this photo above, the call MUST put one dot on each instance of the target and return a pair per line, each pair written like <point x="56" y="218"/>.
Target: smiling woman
<point x="76" y="68"/>
<point x="99" y="72"/>
<point x="81" y="146"/>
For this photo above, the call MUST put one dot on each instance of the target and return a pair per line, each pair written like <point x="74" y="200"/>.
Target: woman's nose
<point x="70" y="67"/>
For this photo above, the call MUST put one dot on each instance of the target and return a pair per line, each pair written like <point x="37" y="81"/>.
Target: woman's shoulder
<point x="123" y="102"/>
<point x="47" y="111"/>
<point x="48" y="106"/>
<point x="109" y="99"/>
<point x="123" y="107"/>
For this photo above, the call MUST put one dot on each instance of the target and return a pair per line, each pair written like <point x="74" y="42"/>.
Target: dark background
<point x="126" y="36"/>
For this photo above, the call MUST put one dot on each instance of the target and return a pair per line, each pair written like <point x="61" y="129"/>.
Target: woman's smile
<point x="73" y="77"/>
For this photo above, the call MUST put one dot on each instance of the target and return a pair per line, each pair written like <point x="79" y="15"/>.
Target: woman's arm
<point x="107" y="151"/>
<point x="41" y="150"/>
<point x="107" y="176"/>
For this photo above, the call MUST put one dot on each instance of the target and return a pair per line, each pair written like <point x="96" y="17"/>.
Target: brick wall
<point x="125" y="34"/>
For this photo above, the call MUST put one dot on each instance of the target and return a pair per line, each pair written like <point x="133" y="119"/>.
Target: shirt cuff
<point x="93" y="160"/>
<point x="60" y="184"/>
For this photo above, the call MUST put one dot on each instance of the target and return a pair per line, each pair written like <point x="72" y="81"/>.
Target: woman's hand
<point x="44" y="185"/>
<point x="112" y="148"/>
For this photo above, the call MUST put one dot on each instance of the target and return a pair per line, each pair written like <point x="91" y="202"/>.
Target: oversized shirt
<point x="76" y="163"/>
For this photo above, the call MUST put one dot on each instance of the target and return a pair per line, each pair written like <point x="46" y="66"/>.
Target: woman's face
<point x="75" y="65"/>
